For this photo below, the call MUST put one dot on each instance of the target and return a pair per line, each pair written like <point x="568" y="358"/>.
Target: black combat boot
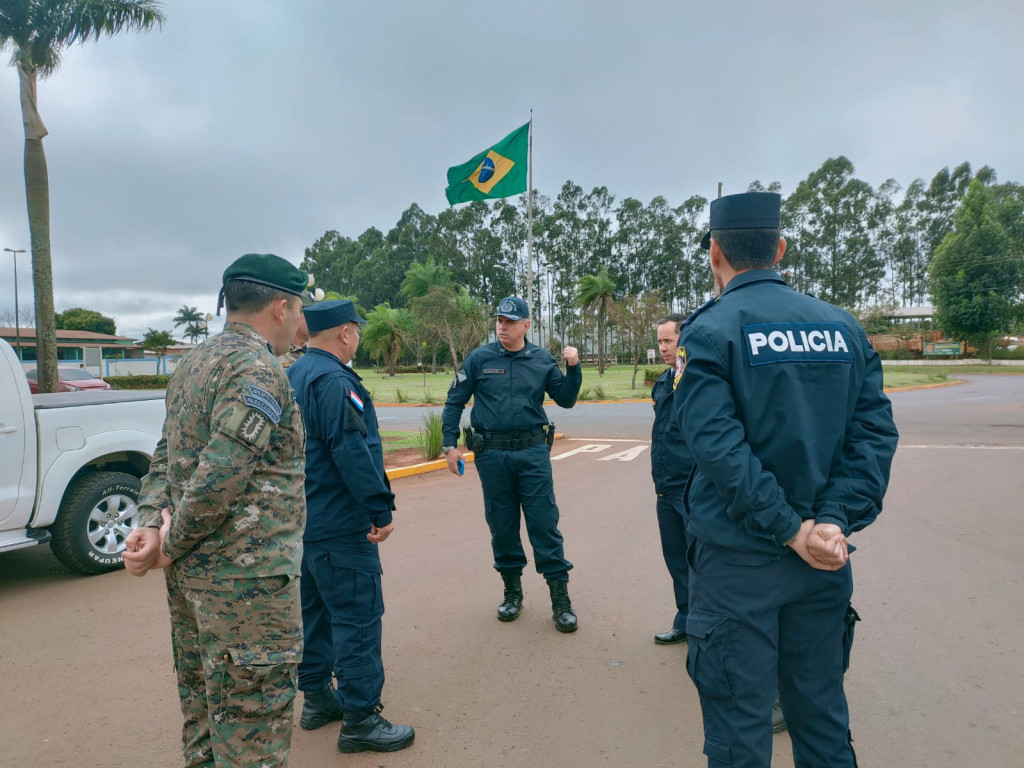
<point x="778" y="719"/>
<point x="319" y="707"/>
<point x="374" y="733"/>
<point x="561" y="607"/>
<point x="509" y="609"/>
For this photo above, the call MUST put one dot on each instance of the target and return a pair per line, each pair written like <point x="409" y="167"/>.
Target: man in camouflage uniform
<point x="227" y="481"/>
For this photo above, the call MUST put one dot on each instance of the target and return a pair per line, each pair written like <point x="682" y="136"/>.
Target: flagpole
<point x="529" y="219"/>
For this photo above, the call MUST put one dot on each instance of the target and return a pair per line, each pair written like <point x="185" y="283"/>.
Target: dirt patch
<point x="403" y="457"/>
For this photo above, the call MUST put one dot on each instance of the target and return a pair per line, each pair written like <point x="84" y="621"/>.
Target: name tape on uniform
<point x="797" y="343"/>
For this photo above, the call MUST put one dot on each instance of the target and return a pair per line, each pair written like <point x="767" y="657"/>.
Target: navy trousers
<point x="672" y="525"/>
<point x="757" y="620"/>
<point x="521" y="480"/>
<point x="341" y="628"/>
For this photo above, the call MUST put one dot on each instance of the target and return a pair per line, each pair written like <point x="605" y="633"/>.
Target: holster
<point x="474" y="441"/>
<point x="550" y="435"/>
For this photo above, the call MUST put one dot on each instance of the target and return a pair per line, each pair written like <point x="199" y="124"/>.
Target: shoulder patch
<point x="249" y="426"/>
<point x="357" y="401"/>
<point x="262" y="401"/>
<point x="459" y="378"/>
<point x="679" y="367"/>
<point x="797" y="342"/>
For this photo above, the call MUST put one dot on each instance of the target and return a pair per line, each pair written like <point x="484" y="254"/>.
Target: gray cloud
<point x="251" y="125"/>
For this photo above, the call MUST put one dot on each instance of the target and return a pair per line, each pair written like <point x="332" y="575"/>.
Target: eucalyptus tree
<point x="595" y="294"/>
<point x="637" y="317"/>
<point x="37" y="33"/>
<point x="384" y="334"/>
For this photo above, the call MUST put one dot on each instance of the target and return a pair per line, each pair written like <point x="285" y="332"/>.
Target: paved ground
<point x="936" y="678"/>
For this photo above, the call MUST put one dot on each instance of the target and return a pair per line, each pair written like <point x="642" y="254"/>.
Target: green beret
<point x="269" y="270"/>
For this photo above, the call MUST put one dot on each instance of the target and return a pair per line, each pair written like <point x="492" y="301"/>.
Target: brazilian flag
<point x="496" y="172"/>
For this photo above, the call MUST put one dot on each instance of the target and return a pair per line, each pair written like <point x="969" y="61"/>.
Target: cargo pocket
<point x="850" y="619"/>
<point x="708" y="638"/>
<point x="256" y="683"/>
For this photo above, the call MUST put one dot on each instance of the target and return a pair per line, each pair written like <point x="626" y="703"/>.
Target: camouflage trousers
<point x="236" y="643"/>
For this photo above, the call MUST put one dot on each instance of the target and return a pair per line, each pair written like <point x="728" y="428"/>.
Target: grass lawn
<point x="420" y="389"/>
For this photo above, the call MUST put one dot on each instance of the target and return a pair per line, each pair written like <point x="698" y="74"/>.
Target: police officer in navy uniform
<point x="671" y="462"/>
<point x="349" y="513"/>
<point x="780" y="398"/>
<point x="507" y="380"/>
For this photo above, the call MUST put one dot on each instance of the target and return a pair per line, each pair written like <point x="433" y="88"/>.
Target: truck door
<point x="17" y="446"/>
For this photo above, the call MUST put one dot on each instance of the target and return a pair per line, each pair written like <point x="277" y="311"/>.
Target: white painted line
<point x="627" y="455"/>
<point x="608" y="439"/>
<point x="967" y="446"/>
<point x="582" y="449"/>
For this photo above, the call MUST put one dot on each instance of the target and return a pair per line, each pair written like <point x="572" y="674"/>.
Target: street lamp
<point x="206" y="325"/>
<point x="17" y="320"/>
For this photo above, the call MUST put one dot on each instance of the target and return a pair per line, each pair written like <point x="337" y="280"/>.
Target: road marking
<point x="608" y="439"/>
<point x="592" y="448"/>
<point x="968" y="446"/>
<point x="627" y="455"/>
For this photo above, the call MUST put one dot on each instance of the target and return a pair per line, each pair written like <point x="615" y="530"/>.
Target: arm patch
<point x="249" y="426"/>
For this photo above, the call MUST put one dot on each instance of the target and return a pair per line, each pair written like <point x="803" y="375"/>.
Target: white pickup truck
<point x="71" y="465"/>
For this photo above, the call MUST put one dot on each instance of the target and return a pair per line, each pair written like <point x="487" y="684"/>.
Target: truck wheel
<point x="97" y="513"/>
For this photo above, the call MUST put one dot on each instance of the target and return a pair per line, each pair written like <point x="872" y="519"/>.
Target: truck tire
<point x="98" y="511"/>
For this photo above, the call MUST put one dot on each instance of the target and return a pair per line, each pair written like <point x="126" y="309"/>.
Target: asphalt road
<point x="935" y="681"/>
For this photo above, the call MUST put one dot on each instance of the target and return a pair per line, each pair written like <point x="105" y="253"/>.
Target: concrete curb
<point x="433" y="466"/>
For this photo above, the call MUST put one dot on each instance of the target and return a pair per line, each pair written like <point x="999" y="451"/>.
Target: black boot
<point x="778" y="719"/>
<point x="509" y="609"/>
<point x="561" y="607"/>
<point x="374" y="733"/>
<point x="319" y="707"/>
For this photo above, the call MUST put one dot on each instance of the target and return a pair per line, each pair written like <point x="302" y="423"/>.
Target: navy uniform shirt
<point x="781" y="401"/>
<point x="346" y="485"/>
<point x="509" y="389"/>
<point x="671" y="457"/>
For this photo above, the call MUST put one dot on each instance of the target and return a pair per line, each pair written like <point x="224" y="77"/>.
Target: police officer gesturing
<point x="511" y="436"/>
<point x="780" y="398"/>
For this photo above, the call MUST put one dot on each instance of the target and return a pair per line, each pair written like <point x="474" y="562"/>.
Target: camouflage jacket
<point x="230" y="463"/>
<point x="293" y="354"/>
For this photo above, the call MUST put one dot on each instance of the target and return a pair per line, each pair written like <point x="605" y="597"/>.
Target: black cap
<point x="513" y="308"/>
<point x="749" y="210"/>
<point x="330" y="314"/>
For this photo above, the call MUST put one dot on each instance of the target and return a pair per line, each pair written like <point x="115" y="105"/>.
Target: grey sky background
<point x="257" y="125"/>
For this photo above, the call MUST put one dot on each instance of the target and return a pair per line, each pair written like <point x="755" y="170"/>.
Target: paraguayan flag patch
<point x="797" y="343"/>
<point x="356" y="400"/>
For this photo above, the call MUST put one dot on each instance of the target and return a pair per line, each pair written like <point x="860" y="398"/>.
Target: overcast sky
<point x="257" y="125"/>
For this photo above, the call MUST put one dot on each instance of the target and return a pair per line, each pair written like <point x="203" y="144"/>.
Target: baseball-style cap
<point x="749" y="210"/>
<point x="513" y="308"/>
<point x="330" y="314"/>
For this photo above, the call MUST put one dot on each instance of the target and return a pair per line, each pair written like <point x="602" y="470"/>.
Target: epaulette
<point x="697" y="312"/>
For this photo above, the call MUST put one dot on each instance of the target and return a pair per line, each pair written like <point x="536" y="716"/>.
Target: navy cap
<point x="750" y="210"/>
<point x="513" y="308"/>
<point x="330" y="314"/>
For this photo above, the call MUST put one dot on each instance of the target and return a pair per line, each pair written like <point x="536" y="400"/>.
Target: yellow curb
<point x="433" y="466"/>
<point x="925" y="386"/>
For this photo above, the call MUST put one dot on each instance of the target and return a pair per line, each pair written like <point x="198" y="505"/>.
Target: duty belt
<point x="513" y="441"/>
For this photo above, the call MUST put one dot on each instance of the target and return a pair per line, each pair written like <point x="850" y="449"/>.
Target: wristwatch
<point x="446" y="448"/>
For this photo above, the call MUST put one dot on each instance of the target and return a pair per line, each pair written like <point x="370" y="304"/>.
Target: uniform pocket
<point x="850" y="619"/>
<point x="258" y="682"/>
<point x="708" y="640"/>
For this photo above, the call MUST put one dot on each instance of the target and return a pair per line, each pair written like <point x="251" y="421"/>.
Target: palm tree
<point x="384" y="333"/>
<point x="596" y="294"/>
<point x="36" y="32"/>
<point x="192" y="319"/>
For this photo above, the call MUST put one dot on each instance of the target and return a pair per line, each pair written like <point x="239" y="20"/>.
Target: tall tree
<point x="458" y="319"/>
<point x="384" y="333"/>
<point x="78" y="319"/>
<point x="637" y="317"/>
<point x="157" y="342"/>
<point x="192" y="319"/>
<point x="37" y="32"/>
<point x="978" y="270"/>
<point x="596" y="294"/>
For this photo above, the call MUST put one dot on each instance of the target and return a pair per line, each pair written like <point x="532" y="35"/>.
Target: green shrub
<point x="584" y="394"/>
<point x="429" y="398"/>
<point x="651" y="375"/>
<point x="431" y="437"/>
<point x="400" y="396"/>
<point x="145" y="381"/>
<point x="409" y="369"/>
<point x="599" y="393"/>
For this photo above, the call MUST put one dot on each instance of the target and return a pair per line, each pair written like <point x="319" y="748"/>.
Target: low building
<point x="84" y="348"/>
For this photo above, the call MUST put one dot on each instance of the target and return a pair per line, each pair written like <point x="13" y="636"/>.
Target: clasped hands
<point x="821" y="545"/>
<point x="143" y="548"/>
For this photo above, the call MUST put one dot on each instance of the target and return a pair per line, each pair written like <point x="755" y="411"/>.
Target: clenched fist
<point x="571" y="355"/>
